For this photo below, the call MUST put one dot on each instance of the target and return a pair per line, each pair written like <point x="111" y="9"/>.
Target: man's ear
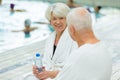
<point x="72" y="30"/>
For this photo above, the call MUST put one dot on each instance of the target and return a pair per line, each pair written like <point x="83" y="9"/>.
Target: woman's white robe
<point x="63" y="49"/>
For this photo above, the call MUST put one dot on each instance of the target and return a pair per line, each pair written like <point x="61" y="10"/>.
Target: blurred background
<point x="15" y="44"/>
<point x="35" y="11"/>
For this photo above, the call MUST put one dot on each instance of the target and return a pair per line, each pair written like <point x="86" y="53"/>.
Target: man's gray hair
<point x="80" y="18"/>
<point x="58" y="9"/>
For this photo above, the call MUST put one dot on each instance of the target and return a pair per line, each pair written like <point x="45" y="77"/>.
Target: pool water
<point x="34" y="10"/>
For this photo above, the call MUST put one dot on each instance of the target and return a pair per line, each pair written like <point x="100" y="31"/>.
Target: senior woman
<point x="59" y="45"/>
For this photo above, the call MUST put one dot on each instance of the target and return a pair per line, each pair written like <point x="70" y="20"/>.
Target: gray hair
<point x="58" y="9"/>
<point x="80" y="18"/>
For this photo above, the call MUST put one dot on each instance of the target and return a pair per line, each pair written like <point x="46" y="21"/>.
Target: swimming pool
<point x="35" y="10"/>
<point x="15" y="21"/>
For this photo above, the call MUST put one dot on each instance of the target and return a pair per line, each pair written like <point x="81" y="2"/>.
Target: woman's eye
<point x="54" y="19"/>
<point x="61" y="18"/>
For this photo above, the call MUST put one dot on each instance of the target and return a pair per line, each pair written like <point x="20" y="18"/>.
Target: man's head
<point x="79" y="21"/>
<point x="12" y="7"/>
<point x="27" y="23"/>
<point x="97" y="9"/>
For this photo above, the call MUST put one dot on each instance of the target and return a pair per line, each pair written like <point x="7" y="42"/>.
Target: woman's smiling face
<point x="59" y="23"/>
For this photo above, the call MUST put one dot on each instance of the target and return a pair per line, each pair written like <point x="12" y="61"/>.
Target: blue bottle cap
<point x="37" y="54"/>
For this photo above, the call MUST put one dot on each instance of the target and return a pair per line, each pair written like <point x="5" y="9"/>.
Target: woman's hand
<point x="47" y="74"/>
<point x="44" y="74"/>
<point x="40" y="75"/>
<point x="35" y="71"/>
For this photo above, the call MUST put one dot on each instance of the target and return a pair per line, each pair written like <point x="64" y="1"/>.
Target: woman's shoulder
<point x="51" y="36"/>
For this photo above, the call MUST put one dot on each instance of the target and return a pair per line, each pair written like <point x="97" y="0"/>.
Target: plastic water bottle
<point x="38" y="62"/>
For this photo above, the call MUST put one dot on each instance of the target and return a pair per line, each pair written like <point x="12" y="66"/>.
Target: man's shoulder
<point x="91" y="49"/>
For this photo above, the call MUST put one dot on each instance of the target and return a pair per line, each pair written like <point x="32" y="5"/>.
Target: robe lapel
<point x="63" y="47"/>
<point x="49" y="51"/>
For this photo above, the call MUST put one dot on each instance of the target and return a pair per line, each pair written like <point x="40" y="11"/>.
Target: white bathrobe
<point x="63" y="49"/>
<point x="88" y="62"/>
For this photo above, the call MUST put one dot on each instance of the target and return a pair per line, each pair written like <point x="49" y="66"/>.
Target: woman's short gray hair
<point x="58" y="9"/>
<point x="80" y="18"/>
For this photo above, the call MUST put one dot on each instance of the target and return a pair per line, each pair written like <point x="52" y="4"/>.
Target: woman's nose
<point x="57" y="21"/>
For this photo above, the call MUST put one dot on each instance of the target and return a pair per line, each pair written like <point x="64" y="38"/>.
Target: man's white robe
<point x="63" y="49"/>
<point x="88" y="62"/>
